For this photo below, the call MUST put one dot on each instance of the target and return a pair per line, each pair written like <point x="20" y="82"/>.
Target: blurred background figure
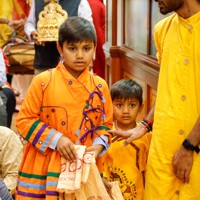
<point x="10" y="101"/>
<point x="46" y="53"/>
<point x="99" y="19"/>
<point x="4" y="192"/>
<point x="10" y="159"/>
<point x="13" y="15"/>
<point x="12" y="10"/>
<point x="3" y="98"/>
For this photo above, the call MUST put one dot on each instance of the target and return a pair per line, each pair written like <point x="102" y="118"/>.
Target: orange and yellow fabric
<point x="127" y="165"/>
<point x="58" y="104"/>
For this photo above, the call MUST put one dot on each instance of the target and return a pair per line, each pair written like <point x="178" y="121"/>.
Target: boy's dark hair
<point x="76" y="29"/>
<point x="126" y="89"/>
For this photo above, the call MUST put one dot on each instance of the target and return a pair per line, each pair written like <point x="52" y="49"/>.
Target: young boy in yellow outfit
<point x="127" y="165"/>
<point x="64" y="106"/>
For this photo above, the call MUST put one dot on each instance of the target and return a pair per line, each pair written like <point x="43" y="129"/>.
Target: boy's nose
<point x="126" y="109"/>
<point x="79" y="54"/>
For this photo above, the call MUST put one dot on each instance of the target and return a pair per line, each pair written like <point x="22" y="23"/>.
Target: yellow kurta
<point x="55" y="104"/>
<point x="127" y="165"/>
<point x="177" y="107"/>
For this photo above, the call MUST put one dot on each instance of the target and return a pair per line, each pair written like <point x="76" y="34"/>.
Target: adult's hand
<point x="29" y="2"/>
<point x="130" y="135"/>
<point x="182" y="164"/>
<point x="17" y="25"/>
<point x="34" y="36"/>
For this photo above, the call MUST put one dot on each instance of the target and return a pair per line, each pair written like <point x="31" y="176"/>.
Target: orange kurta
<point x="55" y="104"/>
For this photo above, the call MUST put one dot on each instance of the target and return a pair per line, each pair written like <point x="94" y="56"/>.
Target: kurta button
<point x="177" y="192"/>
<point x="63" y="123"/>
<point x="181" y="132"/>
<point x="70" y="82"/>
<point x="190" y="27"/>
<point x="42" y="84"/>
<point x="100" y="85"/>
<point x="40" y="142"/>
<point x="183" y="98"/>
<point x="85" y="129"/>
<point x="52" y="110"/>
<point x="186" y="61"/>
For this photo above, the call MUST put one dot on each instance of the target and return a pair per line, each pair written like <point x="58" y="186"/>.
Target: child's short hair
<point x="76" y="29"/>
<point x="126" y="89"/>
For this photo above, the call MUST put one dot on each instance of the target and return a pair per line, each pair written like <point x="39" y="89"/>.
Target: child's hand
<point x="96" y="149"/>
<point x="66" y="148"/>
<point x="106" y="184"/>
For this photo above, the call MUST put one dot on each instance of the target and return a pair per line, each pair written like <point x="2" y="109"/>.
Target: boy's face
<point x="77" y="56"/>
<point x="125" y="112"/>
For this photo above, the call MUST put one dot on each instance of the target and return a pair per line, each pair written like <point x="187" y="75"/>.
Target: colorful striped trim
<point x="36" y="176"/>
<point x="47" y="140"/>
<point x="33" y="127"/>
<point x="39" y="133"/>
<point x="52" y="183"/>
<point x="53" y="174"/>
<point x="32" y="185"/>
<point x="37" y="186"/>
<point x="52" y="193"/>
<point x="26" y="194"/>
<point x="26" y="175"/>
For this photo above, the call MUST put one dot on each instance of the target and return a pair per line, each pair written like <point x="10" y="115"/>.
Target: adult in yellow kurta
<point x="58" y="104"/>
<point x="177" y="107"/>
<point x="127" y="165"/>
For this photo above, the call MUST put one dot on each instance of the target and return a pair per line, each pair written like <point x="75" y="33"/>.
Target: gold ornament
<point x="49" y="21"/>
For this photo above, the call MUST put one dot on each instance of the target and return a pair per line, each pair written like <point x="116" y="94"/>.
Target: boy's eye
<point x="72" y="48"/>
<point x="87" y="48"/>
<point x="119" y="105"/>
<point x="132" y="105"/>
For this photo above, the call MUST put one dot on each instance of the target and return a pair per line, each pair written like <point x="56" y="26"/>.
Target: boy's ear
<point x="94" y="56"/>
<point x="141" y="107"/>
<point x="60" y="49"/>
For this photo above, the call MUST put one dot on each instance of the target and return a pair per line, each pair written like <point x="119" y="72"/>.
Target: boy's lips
<point x="79" y="62"/>
<point x="125" y="117"/>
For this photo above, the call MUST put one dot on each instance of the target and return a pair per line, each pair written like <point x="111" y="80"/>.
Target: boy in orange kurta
<point x="64" y="106"/>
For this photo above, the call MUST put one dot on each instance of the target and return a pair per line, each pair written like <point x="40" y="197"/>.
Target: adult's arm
<point x="85" y="11"/>
<point x="183" y="158"/>
<point x="30" y="25"/>
<point x="4" y="193"/>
